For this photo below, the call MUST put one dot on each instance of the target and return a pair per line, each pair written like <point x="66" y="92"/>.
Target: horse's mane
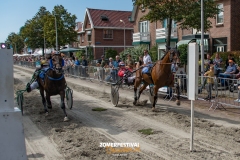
<point x="174" y="49"/>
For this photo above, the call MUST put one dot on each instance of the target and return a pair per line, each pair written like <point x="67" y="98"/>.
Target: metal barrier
<point x="224" y="91"/>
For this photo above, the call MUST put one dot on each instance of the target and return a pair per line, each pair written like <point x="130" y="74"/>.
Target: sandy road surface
<point x="79" y="138"/>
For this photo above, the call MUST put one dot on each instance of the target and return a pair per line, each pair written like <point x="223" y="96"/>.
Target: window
<point x="219" y="44"/>
<point x="78" y="38"/>
<point x="89" y="36"/>
<point x="219" y="19"/>
<point x="82" y="38"/>
<point x="107" y="34"/>
<point x="220" y="48"/>
<point x="144" y="26"/>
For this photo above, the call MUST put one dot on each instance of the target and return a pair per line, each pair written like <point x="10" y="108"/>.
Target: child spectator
<point x="210" y="82"/>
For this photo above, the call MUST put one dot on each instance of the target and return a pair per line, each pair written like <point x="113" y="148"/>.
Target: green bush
<point x="183" y="49"/>
<point x="110" y="53"/>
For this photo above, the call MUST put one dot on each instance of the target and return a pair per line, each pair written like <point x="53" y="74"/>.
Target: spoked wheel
<point x="20" y="102"/>
<point x="151" y="94"/>
<point x="69" y="97"/>
<point x="114" y="95"/>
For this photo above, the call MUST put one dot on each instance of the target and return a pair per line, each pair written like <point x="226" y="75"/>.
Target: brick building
<point x="102" y="30"/>
<point x="223" y="36"/>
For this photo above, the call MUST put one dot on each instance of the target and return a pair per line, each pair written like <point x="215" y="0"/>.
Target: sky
<point x="14" y="13"/>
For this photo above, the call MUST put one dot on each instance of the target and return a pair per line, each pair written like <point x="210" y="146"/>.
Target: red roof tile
<point x="113" y="16"/>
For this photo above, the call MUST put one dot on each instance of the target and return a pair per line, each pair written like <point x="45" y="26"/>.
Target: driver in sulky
<point x="40" y="72"/>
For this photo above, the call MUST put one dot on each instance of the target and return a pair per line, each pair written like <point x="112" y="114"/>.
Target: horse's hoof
<point x="46" y="114"/>
<point x="153" y="109"/>
<point x="49" y="106"/>
<point x="65" y="119"/>
<point x="178" y="103"/>
<point x="134" y="103"/>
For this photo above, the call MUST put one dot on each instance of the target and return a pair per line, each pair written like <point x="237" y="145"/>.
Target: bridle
<point x="57" y="64"/>
<point x="173" y="53"/>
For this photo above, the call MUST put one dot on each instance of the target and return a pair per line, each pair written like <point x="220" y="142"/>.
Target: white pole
<point x="192" y="125"/>
<point x="56" y="33"/>
<point x="124" y="34"/>
<point x="202" y="42"/>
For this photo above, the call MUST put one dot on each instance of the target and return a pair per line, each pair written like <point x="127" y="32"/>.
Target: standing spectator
<point x="102" y="65"/>
<point x="230" y="57"/>
<point x="84" y="66"/>
<point x="115" y="69"/>
<point x="217" y="64"/>
<point x="174" y="68"/>
<point x="129" y="62"/>
<point x="76" y="66"/>
<point x="207" y="63"/>
<point x="110" y="64"/>
<point x="210" y="82"/>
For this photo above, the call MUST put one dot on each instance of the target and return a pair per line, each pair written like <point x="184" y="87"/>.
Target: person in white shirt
<point x="146" y="58"/>
<point x="147" y="62"/>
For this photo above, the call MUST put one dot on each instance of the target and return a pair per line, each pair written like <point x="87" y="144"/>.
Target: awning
<point x="183" y="42"/>
<point x="139" y="43"/>
<point x="69" y="50"/>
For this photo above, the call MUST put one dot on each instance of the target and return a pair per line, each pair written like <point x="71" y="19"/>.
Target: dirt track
<point x="80" y="137"/>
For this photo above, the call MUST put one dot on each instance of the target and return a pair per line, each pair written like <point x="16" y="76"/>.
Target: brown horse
<point x="160" y="76"/>
<point x="54" y="83"/>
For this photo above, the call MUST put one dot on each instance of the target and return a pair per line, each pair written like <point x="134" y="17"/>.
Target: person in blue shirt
<point x="115" y="69"/>
<point x="231" y="69"/>
<point x="84" y="64"/>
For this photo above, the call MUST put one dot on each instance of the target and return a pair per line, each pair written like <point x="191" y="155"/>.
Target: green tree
<point x="65" y="27"/>
<point x="16" y="41"/>
<point x="186" y="13"/>
<point x="43" y="25"/>
<point x="33" y="30"/>
<point x="153" y="52"/>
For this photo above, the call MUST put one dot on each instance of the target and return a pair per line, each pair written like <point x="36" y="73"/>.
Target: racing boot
<point x="28" y="88"/>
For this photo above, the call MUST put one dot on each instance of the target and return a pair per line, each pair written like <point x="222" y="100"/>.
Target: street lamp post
<point x="56" y="32"/>
<point x="124" y="33"/>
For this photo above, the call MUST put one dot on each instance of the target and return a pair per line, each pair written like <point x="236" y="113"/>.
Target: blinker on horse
<point x="161" y="76"/>
<point x="54" y="83"/>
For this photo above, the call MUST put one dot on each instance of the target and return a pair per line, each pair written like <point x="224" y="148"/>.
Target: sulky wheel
<point x="114" y="95"/>
<point x="20" y="102"/>
<point x="69" y="97"/>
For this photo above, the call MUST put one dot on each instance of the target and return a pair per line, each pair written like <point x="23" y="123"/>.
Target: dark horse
<point x="161" y="76"/>
<point x="54" y="83"/>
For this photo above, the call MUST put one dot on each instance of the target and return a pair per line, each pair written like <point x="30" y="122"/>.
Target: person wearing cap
<point x="230" y="57"/>
<point x="231" y="69"/>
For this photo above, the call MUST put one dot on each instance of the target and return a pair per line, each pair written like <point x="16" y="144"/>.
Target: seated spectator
<point x="230" y="71"/>
<point x="230" y="57"/>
